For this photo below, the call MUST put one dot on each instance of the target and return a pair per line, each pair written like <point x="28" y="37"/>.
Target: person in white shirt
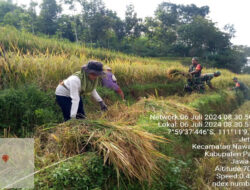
<point x="68" y="93"/>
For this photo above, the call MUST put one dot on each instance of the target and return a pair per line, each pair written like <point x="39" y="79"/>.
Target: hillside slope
<point x="123" y="148"/>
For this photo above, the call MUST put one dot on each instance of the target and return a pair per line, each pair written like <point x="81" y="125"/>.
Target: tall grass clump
<point x="217" y="103"/>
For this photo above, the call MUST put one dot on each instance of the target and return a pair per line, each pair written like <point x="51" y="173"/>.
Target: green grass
<point x="217" y="103"/>
<point x="82" y="172"/>
<point x="26" y="107"/>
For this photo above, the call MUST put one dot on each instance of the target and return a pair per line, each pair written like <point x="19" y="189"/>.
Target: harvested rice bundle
<point x="129" y="150"/>
<point x="173" y="73"/>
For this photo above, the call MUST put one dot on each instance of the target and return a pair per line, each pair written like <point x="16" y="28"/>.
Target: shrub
<point x="25" y="107"/>
<point x="82" y="172"/>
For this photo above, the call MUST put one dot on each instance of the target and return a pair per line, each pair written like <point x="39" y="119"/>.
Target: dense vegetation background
<point x="174" y="30"/>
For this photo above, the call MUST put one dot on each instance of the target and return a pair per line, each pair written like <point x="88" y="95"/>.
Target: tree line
<point x="174" y="30"/>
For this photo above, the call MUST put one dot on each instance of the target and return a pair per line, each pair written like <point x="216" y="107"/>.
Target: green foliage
<point x="107" y="93"/>
<point x="202" y="36"/>
<point x="109" y="96"/>
<point x="230" y="59"/>
<point x="132" y="23"/>
<point x="18" y="17"/>
<point x="6" y="7"/>
<point x="65" y="28"/>
<point x="82" y="172"/>
<point x="25" y="107"/>
<point x="44" y="116"/>
<point x="48" y="16"/>
<point x="98" y="27"/>
<point x="171" y="14"/>
<point x="217" y="103"/>
<point x="12" y="18"/>
<point x="246" y="70"/>
<point x="172" y="177"/>
<point x="144" y="47"/>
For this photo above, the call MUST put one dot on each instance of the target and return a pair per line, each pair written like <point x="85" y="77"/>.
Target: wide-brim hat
<point x="94" y="67"/>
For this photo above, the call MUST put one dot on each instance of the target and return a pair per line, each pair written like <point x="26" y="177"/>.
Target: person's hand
<point x="104" y="107"/>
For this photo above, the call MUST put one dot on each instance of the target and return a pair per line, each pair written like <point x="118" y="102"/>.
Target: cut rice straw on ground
<point x="129" y="150"/>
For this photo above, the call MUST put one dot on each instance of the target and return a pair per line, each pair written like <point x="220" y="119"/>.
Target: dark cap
<point x="235" y="78"/>
<point x="94" y="67"/>
<point x="196" y="58"/>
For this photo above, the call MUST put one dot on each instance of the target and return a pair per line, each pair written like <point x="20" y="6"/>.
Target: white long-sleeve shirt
<point x="73" y="84"/>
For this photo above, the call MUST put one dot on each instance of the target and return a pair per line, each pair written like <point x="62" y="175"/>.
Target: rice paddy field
<point x="123" y="148"/>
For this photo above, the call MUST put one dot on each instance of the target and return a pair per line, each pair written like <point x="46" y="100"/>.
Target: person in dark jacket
<point x="206" y="78"/>
<point x="196" y="68"/>
<point x="194" y="83"/>
<point x="240" y="86"/>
